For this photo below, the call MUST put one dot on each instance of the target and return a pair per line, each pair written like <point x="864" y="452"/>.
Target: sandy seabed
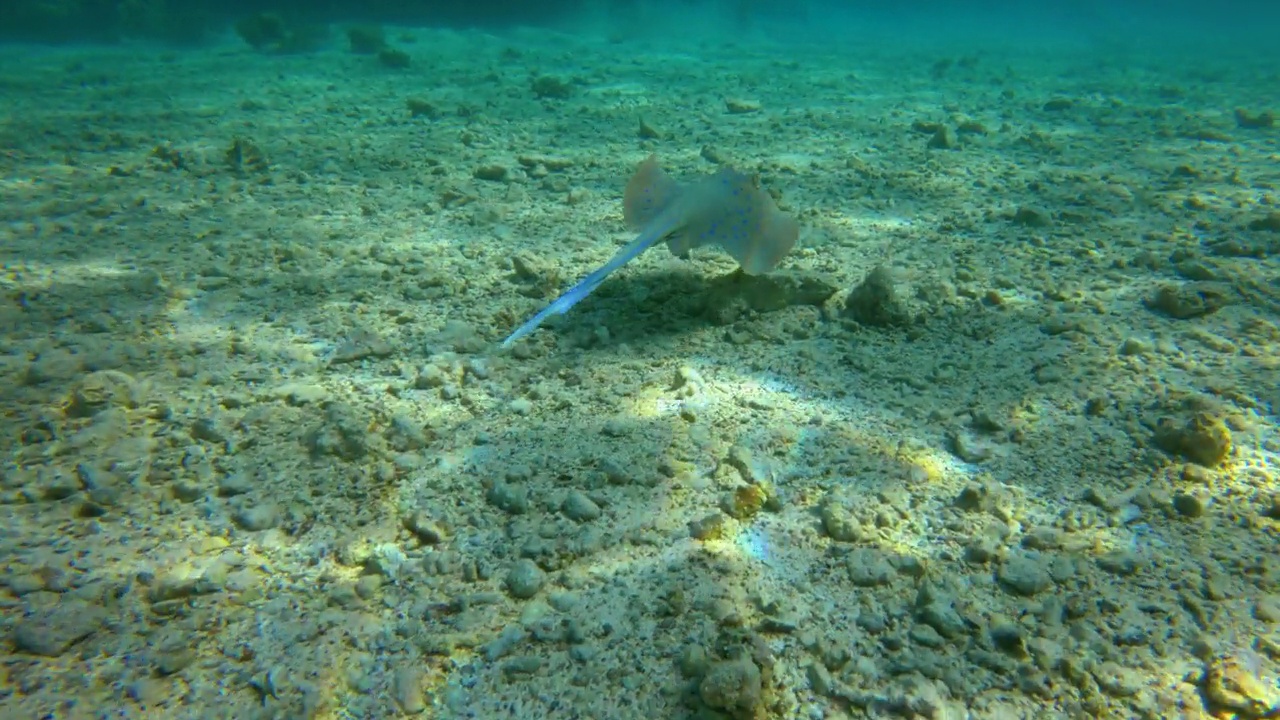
<point x="998" y="440"/>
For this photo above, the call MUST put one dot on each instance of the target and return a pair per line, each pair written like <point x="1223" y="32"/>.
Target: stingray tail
<point x="655" y="231"/>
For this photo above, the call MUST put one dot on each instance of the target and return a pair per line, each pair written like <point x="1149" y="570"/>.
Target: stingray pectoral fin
<point x="778" y="235"/>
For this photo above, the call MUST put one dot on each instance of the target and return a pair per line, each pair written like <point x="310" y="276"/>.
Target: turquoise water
<point x="997" y="439"/>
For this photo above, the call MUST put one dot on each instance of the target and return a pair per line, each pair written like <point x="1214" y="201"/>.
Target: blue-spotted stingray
<point x="725" y="209"/>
